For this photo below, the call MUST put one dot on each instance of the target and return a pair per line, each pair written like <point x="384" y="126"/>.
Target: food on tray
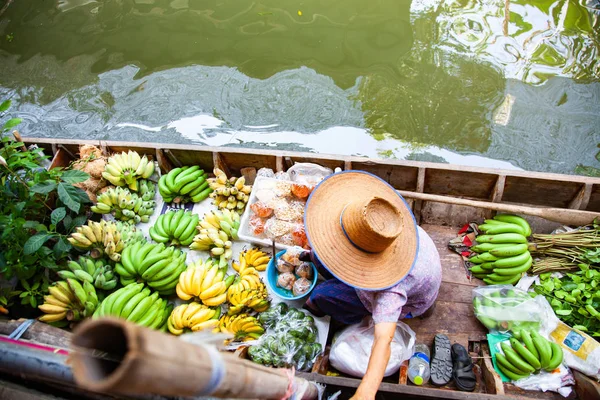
<point x="283" y="189"/>
<point x="257" y="225"/>
<point x="286" y="280"/>
<point x="301" y="286"/>
<point x="299" y="236"/>
<point x="301" y="191"/>
<point x="261" y="209"/>
<point x="304" y="270"/>
<point x="293" y="211"/>
<point x="275" y="228"/>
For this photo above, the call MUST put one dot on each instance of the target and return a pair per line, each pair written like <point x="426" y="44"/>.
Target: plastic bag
<point x="308" y="175"/>
<point x="266" y="172"/>
<point x="351" y="350"/>
<point x="502" y="308"/>
<point x="301" y="286"/>
<point x="286" y="280"/>
<point x="291" y="339"/>
<point x="556" y="381"/>
<point x="581" y="352"/>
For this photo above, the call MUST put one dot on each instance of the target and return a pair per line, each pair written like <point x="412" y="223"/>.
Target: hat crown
<point x="373" y="224"/>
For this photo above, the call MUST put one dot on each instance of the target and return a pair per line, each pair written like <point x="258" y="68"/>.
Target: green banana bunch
<point x="184" y="184"/>
<point x="69" y="300"/>
<point x="85" y="269"/>
<point x="127" y="206"/>
<point x="104" y="237"/>
<point x="176" y="227"/>
<point x="229" y="194"/>
<point x="138" y="304"/>
<point x="156" y="264"/>
<point x="125" y="169"/>
<point x="503" y="251"/>
<point x="495" y="309"/>
<point x="521" y="359"/>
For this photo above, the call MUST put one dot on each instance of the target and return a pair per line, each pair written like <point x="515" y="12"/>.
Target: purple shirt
<point x="414" y="294"/>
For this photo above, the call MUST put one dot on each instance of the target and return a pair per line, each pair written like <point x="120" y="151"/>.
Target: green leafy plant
<point x="33" y="293"/>
<point x="39" y="208"/>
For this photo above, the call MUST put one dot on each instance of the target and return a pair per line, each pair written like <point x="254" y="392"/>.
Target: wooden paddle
<point x="561" y="215"/>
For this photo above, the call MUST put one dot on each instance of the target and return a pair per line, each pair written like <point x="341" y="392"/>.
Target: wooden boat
<point x="443" y="197"/>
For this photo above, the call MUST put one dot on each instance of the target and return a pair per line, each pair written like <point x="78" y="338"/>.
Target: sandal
<point x="441" y="363"/>
<point x="462" y="370"/>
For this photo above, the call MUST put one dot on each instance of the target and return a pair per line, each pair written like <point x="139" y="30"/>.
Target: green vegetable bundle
<point x="575" y="298"/>
<point x="291" y="339"/>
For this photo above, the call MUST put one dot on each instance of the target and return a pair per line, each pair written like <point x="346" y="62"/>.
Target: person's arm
<point x="380" y="356"/>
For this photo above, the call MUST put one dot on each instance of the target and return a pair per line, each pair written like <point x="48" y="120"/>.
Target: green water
<point x="512" y="84"/>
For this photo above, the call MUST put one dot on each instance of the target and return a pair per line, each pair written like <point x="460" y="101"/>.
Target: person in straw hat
<point x="377" y="261"/>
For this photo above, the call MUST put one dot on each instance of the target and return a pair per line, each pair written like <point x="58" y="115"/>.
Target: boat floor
<point x="453" y="314"/>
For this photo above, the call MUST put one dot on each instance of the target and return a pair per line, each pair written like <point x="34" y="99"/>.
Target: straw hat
<point x="361" y="230"/>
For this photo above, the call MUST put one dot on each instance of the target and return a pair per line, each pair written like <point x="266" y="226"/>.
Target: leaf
<point x="68" y="195"/>
<point x="68" y="223"/>
<point x="30" y="224"/>
<point x="33" y="302"/>
<point x="61" y="247"/>
<point x="25" y="284"/>
<point x="5" y="105"/>
<point x="11" y="123"/>
<point x="563" y="312"/>
<point x="35" y="285"/>
<point x="80" y="220"/>
<point x="43" y="187"/>
<point x="34" y="243"/>
<point x="74" y="176"/>
<point x="57" y="215"/>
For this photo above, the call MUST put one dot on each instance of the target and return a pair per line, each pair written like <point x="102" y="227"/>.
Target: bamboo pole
<point x="563" y="216"/>
<point x="115" y="356"/>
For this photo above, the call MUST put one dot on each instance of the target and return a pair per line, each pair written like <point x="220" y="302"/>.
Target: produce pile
<point x="575" y="297"/>
<point x="184" y="184"/>
<point x="291" y="339"/>
<point x="505" y="309"/>
<point x="503" y="250"/>
<point x="81" y="265"/>
<point x="529" y="355"/>
<point x="126" y="205"/>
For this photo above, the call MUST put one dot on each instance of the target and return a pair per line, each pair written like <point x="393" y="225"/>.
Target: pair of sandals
<point x="451" y="362"/>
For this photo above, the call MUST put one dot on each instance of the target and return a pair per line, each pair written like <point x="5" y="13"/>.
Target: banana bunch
<point x="184" y="184"/>
<point x="69" y="300"/>
<point x="241" y="326"/>
<point x="254" y="258"/>
<point x="225" y="220"/>
<point x="87" y="270"/>
<point x="205" y="281"/>
<point x="229" y="194"/>
<point x="216" y="230"/>
<point x="126" y="168"/>
<point x="127" y="206"/>
<point x="156" y="264"/>
<point x="137" y="304"/>
<point x="503" y="251"/>
<point x="194" y="317"/>
<point x="521" y="359"/>
<point x="104" y="237"/>
<point x="177" y="227"/>
<point x="247" y="292"/>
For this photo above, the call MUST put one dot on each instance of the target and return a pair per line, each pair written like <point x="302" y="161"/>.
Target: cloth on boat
<point x="463" y="242"/>
<point x="412" y="297"/>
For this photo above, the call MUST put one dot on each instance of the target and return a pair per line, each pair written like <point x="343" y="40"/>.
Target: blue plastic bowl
<point x="272" y="275"/>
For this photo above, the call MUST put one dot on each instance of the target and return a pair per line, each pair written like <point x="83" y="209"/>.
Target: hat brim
<point x="348" y="263"/>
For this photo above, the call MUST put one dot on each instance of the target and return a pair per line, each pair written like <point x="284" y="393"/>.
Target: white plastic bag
<point x="581" y="351"/>
<point x="351" y="350"/>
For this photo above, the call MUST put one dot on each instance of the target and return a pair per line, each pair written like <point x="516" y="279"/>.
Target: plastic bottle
<point x="418" y="366"/>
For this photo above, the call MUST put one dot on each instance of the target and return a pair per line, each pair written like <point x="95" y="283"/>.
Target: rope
<point x="290" y="389"/>
<point x="20" y="330"/>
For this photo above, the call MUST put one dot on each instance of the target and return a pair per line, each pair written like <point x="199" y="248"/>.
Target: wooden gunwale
<point x="439" y="220"/>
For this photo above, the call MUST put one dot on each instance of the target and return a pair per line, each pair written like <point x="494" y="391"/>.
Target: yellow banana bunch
<point x="252" y="258"/>
<point x="125" y="169"/>
<point x="248" y="291"/>
<point x="241" y="326"/>
<point x="104" y="237"/>
<point x="69" y="299"/>
<point x="205" y="281"/>
<point x="213" y="238"/>
<point x="229" y="193"/>
<point x="194" y="317"/>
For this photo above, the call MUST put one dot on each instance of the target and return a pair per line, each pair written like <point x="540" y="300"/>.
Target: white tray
<point x="244" y="232"/>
